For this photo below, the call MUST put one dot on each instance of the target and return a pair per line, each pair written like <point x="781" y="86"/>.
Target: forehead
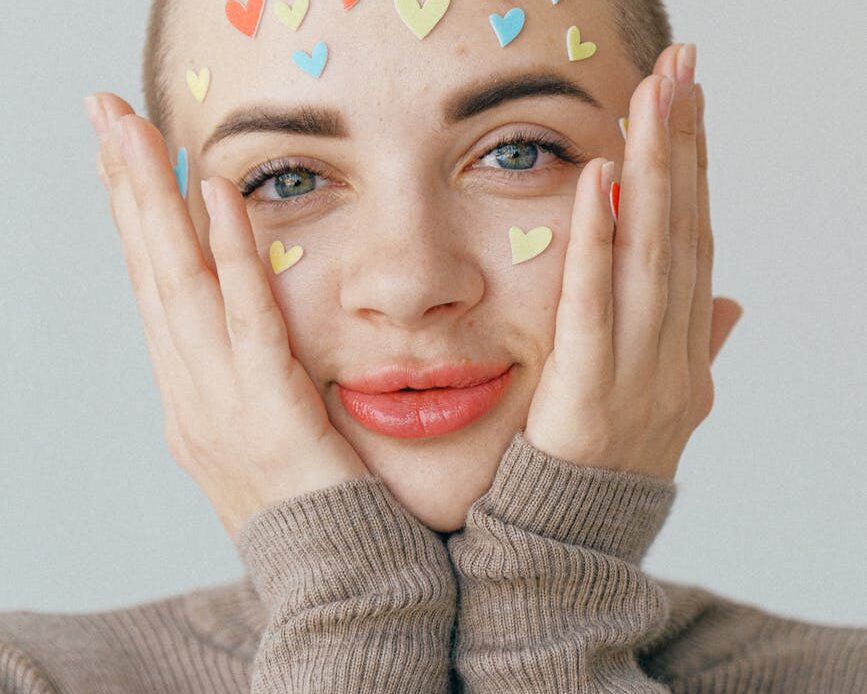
<point x="377" y="69"/>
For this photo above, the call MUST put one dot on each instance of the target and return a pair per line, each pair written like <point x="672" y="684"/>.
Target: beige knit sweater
<point x="345" y="591"/>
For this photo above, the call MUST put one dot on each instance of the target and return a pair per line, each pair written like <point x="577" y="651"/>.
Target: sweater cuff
<point x="336" y="542"/>
<point x="614" y="512"/>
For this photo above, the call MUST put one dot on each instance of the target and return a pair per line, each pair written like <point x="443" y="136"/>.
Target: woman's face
<point x="403" y="199"/>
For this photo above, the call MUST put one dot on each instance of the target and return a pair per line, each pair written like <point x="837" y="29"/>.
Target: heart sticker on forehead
<point x="292" y="15"/>
<point x="198" y="82"/>
<point x="245" y="18"/>
<point x="281" y="259"/>
<point x="527" y="246"/>
<point x="312" y="64"/>
<point x="508" y="26"/>
<point x="349" y="4"/>
<point x="421" y="19"/>
<point x="576" y="49"/>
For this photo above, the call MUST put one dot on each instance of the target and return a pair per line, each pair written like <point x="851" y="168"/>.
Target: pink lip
<point x="456" y="396"/>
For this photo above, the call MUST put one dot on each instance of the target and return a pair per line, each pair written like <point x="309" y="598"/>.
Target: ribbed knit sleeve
<point x="551" y="596"/>
<point x="360" y="595"/>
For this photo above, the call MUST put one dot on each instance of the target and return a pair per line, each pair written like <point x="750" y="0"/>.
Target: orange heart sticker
<point x="245" y="18"/>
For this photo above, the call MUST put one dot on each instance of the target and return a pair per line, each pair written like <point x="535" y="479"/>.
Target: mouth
<point x="400" y="403"/>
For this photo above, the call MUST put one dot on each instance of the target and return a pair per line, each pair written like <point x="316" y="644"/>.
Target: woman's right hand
<point x="242" y="416"/>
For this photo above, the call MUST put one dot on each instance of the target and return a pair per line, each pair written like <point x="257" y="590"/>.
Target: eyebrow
<point x="327" y="122"/>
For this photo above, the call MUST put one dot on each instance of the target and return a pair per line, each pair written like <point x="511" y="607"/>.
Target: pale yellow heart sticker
<point x="421" y="19"/>
<point x="576" y="49"/>
<point x="528" y="246"/>
<point x="292" y="15"/>
<point x="199" y="83"/>
<point x="281" y="259"/>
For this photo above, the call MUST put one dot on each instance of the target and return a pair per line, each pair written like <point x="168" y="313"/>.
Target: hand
<point x="628" y="379"/>
<point x="242" y="416"/>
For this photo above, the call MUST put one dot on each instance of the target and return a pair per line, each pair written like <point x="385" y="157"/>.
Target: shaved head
<point x="643" y="25"/>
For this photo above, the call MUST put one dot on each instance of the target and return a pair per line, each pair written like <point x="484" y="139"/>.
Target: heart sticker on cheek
<point x="245" y="18"/>
<point x="527" y="246"/>
<point x="281" y="259"/>
<point x="182" y="171"/>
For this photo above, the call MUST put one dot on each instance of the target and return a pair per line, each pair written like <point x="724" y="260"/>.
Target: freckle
<point x="460" y="50"/>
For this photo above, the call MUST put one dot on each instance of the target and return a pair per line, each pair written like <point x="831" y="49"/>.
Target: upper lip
<point x="442" y="375"/>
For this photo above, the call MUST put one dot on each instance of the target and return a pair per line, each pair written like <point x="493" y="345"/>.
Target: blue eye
<point x="516" y="155"/>
<point x="284" y="184"/>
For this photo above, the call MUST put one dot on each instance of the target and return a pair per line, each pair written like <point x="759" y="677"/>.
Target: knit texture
<point x="344" y="591"/>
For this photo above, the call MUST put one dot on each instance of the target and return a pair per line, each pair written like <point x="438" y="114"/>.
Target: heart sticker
<point x="281" y="259"/>
<point x="421" y="20"/>
<point x="245" y="18"/>
<point x="349" y="4"/>
<point x="556" y="2"/>
<point x="576" y="49"/>
<point x="508" y="26"/>
<point x="615" y="200"/>
<point x="182" y="171"/>
<point x="312" y="64"/>
<point x="198" y="82"/>
<point x="528" y="246"/>
<point x="624" y="126"/>
<point x="292" y="15"/>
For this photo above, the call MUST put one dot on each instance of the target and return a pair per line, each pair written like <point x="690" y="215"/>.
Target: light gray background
<point x="95" y="514"/>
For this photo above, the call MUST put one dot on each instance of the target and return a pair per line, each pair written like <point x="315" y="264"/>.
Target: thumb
<point x="726" y="312"/>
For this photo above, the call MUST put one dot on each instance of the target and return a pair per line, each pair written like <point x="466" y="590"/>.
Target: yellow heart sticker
<point x="199" y="83"/>
<point x="281" y="259"/>
<point x="528" y="246"/>
<point x="293" y="15"/>
<point x="421" y="20"/>
<point x="576" y="49"/>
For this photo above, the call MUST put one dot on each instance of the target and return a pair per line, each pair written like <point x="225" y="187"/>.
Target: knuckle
<point x="656" y="161"/>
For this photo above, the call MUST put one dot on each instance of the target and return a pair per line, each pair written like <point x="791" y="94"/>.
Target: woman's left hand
<point x="628" y="379"/>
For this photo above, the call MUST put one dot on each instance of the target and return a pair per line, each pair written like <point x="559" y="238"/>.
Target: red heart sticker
<point x="349" y="4"/>
<point x="615" y="200"/>
<point x="245" y="18"/>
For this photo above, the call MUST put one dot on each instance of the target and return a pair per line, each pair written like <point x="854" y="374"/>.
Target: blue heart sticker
<point x="182" y="171"/>
<point x="555" y="1"/>
<point x="508" y="26"/>
<point x="312" y="64"/>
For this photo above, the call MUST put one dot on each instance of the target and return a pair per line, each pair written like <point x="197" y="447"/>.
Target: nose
<point x="411" y="262"/>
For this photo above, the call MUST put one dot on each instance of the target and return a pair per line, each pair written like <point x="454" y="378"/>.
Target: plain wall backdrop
<point x="95" y="513"/>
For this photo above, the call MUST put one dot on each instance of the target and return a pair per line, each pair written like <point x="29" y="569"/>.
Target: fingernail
<point x="686" y="60"/>
<point x="95" y="115"/>
<point x="666" y="93"/>
<point x="207" y="196"/>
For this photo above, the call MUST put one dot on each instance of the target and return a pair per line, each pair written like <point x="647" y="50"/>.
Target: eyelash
<point x="561" y="149"/>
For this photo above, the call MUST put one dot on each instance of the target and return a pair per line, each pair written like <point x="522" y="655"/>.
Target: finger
<point x="674" y="334"/>
<point x="169" y="372"/>
<point x="188" y="290"/>
<point x="256" y="327"/>
<point x="585" y="315"/>
<point x="702" y="305"/>
<point x="641" y="244"/>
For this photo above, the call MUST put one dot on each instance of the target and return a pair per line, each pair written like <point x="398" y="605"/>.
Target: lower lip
<point x="424" y="413"/>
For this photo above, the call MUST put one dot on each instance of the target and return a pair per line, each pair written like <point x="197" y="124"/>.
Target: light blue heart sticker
<point x="556" y="2"/>
<point x="182" y="171"/>
<point x="508" y="26"/>
<point x="312" y="64"/>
